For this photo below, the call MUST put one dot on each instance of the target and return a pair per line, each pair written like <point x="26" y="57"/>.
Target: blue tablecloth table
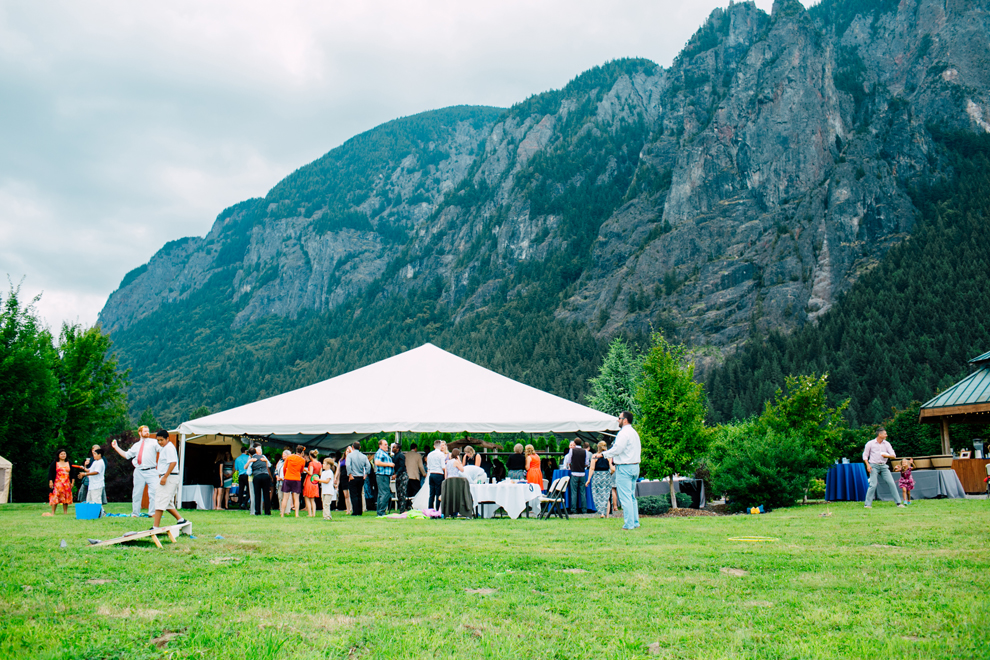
<point x="848" y="482"/>
<point x="589" y="499"/>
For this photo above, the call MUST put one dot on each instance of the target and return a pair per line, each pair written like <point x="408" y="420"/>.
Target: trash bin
<point x="977" y="448"/>
<point x="88" y="510"/>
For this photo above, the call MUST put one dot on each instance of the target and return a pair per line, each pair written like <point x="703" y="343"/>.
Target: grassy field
<point x="884" y="583"/>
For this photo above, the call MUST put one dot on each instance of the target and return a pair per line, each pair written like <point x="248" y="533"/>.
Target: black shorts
<point x="289" y="486"/>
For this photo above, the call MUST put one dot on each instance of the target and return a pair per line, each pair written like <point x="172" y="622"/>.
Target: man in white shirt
<point x="168" y="480"/>
<point x="96" y="473"/>
<point x="875" y="455"/>
<point x="435" y="462"/>
<point x="625" y="455"/>
<point x="143" y="455"/>
<point x="566" y="463"/>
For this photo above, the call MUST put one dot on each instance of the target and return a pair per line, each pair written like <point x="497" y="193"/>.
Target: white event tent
<point x="422" y="390"/>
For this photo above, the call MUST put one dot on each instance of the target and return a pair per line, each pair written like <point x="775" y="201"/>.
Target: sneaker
<point x="901" y="505"/>
<point x="181" y="521"/>
<point x="867" y="507"/>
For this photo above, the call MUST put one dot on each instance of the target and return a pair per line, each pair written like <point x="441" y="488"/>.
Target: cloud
<point x="127" y="125"/>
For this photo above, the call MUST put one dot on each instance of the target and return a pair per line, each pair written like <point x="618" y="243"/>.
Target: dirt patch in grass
<point x="758" y="603"/>
<point x="167" y="636"/>
<point x="127" y="613"/>
<point x="737" y="572"/>
<point x="99" y="581"/>
<point x="687" y="513"/>
<point x="482" y="592"/>
<point x="219" y="561"/>
<point x="574" y="570"/>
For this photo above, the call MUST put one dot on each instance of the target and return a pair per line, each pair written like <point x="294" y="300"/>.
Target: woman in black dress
<point x="342" y="481"/>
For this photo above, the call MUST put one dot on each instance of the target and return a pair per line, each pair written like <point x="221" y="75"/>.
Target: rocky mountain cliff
<point x="752" y="182"/>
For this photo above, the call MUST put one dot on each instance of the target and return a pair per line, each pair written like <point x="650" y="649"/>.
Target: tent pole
<point x="182" y="465"/>
<point x="397" y="440"/>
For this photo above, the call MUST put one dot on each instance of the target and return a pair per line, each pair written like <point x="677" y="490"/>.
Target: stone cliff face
<point x="749" y="183"/>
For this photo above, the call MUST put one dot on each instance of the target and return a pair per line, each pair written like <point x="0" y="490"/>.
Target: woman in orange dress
<point x="534" y="474"/>
<point x="59" y="482"/>
<point x="311" y="488"/>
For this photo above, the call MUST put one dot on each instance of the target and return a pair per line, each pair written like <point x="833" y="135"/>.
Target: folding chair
<point x="553" y="502"/>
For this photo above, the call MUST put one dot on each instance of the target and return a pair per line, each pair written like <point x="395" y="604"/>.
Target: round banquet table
<point x="513" y="497"/>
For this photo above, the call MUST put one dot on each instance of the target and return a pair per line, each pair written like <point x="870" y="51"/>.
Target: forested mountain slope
<point x="743" y="189"/>
<point x="905" y="329"/>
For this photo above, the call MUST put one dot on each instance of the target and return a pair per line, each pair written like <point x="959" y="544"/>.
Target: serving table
<point x="971" y="473"/>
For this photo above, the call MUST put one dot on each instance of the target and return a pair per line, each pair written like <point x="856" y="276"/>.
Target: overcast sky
<point x="129" y="124"/>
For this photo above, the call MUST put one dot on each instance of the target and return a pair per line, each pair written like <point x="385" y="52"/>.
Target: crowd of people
<point x="155" y="462"/>
<point x="346" y="481"/>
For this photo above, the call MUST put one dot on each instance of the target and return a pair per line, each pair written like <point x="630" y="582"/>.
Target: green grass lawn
<point x="886" y="583"/>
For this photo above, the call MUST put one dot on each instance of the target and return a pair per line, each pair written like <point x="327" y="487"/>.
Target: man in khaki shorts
<point x="168" y="480"/>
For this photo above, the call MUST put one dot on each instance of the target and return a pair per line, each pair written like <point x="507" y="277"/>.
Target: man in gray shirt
<point x="875" y="455"/>
<point x="358" y="467"/>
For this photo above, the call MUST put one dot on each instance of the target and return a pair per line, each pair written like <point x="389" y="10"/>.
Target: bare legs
<point x="158" y="516"/>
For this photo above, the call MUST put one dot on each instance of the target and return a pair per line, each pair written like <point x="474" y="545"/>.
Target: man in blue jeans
<point x="875" y="455"/>
<point x="578" y="462"/>
<point x="384" y="468"/>
<point x="625" y="455"/>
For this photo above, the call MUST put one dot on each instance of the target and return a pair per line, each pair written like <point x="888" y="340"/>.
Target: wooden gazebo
<point x="966" y="402"/>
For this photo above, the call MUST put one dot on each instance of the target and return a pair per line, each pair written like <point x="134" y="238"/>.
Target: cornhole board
<point x="171" y="531"/>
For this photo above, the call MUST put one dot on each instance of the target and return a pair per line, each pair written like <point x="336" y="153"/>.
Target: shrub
<point x="768" y="468"/>
<point x="653" y="505"/>
<point x="657" y="505"/>
<point x="816" y="490"/>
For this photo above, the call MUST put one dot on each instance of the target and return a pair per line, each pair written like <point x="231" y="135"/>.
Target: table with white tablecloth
<point x="201" y="495"/>
<point x="513" y="497"/>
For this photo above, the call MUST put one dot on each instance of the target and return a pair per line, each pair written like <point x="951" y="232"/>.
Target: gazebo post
<point x="945" y="436"/>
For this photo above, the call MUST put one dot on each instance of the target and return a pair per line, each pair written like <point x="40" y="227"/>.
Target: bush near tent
<point x="657" y="505"/>
<point x="750" y="472"/>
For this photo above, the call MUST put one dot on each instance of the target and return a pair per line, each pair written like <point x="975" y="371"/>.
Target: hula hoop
<point x="755" y="539"/>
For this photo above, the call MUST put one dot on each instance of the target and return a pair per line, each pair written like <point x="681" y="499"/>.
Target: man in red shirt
<point x="292" y="481"/>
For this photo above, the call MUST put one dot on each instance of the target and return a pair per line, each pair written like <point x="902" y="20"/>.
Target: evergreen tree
<point x="202" y="411"/>
<point x="148" y="419"/>
<point x="672" y="412"/>
<point x="92" y="400"/>
<point x="801" y="409"/>
<point x="29" y="396"/>
<point x="613" y="390"/>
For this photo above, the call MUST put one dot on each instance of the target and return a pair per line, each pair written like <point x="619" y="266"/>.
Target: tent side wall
<point x="5" y="473"/>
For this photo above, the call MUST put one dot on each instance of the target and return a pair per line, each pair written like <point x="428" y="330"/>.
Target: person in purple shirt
<point x="875" y="455"/>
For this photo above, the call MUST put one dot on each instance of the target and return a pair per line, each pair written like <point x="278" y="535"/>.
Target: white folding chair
<point x="553" y="502"/>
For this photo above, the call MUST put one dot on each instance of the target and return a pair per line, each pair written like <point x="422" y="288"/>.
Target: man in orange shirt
<point x="292" y="482"/>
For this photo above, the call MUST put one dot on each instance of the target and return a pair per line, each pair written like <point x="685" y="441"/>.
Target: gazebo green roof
<point x="981" y="358"/>
<point x="973" y="390"/>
